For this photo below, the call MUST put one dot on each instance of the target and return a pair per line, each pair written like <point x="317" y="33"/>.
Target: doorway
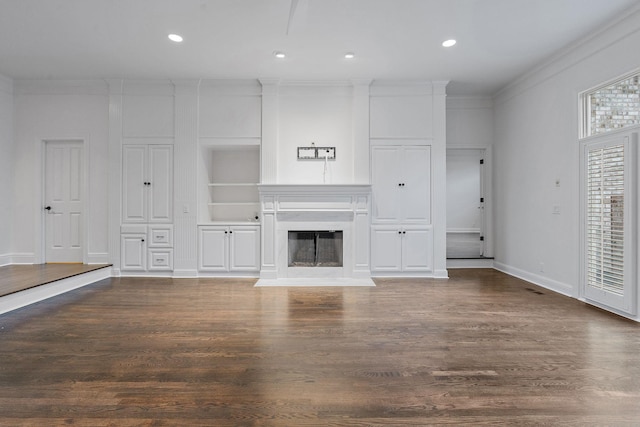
<point x="465" y="204"/>
<point x="63" y="202"/>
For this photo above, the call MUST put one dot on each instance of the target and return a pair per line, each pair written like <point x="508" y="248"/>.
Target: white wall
<point x="536" y="129"/>
<point x="59" y="111"/>
<point x="469" y="122"/>
<point x="6" y="168"/>
<point x="318" y="114"/>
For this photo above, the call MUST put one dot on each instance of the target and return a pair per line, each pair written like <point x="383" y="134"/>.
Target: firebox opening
<point x="315" y="248"/>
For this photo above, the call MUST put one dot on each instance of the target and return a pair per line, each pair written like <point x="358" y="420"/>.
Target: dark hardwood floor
<point x="480" y="348"/>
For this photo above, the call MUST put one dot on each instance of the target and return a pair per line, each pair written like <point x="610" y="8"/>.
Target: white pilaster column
<point x="439" y="162"/>
<point x="115" y="171"/>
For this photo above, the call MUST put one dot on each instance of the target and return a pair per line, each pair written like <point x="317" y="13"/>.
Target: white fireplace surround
<point x="309" y="208"/>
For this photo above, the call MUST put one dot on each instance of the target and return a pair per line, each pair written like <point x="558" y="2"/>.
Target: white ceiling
<point x="498" y="40"/>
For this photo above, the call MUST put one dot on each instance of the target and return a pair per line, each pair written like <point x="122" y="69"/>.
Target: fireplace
<point x="315" y="232"/>
<point x="315" y="248"/>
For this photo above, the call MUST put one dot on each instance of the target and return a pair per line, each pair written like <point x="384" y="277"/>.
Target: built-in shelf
<point x="230" y="174"/>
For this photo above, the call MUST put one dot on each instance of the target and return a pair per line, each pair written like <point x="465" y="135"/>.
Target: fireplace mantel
<point x="288" y="207"/>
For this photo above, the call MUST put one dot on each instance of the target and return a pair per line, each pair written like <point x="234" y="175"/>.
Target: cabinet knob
<point x="230" y="232"/>
<point x="404" y="232"/>
<point x="142" y="240"/>
<point x="225" y="232"/>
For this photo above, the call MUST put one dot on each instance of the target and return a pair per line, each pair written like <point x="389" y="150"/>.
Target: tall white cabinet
<point x="147" y="182"/>
<point x="146" y="240"/>
<point x="401" y="230"/>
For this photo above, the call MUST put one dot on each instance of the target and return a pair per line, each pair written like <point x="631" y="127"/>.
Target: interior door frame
<point x="41" y="195"/>
<point x="486" y="182"/>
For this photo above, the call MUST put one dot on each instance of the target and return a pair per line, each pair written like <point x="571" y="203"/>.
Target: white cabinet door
<point x="417" y="249"/>
<point x="386" y="183"/>
<point x="401" y="184"/>
<point x="160" y="179"/>
<point x="147" y="183"/>
<point x="416" y="184"/>
<point x="133" y="252"/>
<point x="244" y="248"/>
<point x="386" y="249"/>
<point x="213" y="248"/>
<point x="134" y="194"/>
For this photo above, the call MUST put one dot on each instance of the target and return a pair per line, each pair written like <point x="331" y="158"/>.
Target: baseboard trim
<point x="185" y="274"/>
<point x="98" y="258"/>
<point x="5" y="260"/>
<point x="23" y="259"/>
<point x="470" y="263"/>
<point x="536" y="279"/>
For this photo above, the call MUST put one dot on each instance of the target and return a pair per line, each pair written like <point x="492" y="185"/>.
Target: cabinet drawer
<point x="161" y="260"/>
<point x="161" y="236"/>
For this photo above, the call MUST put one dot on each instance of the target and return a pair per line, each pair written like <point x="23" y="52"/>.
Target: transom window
<point x="612" y="106"/>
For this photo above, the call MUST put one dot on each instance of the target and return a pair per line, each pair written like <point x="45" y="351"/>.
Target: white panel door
<point x="417" y="249"/>
<point x="386" y="183"/>
<point x="386" y="249"/>
<point x="160" y="183"/>
<point x="134" y="188"/>
<point x="416" y="184"/>
<point x="213" y="248"/>
<point x="63" y="202"/>
<point x="244" y="246"/>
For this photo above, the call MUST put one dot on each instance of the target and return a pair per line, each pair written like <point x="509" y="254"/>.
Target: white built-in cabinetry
<point x="147" y="183"/>
<point x="229" y="150"/>
<point x="229" y="248"/>
<point x="402" y="229"/>
<point x="146" y="233"/>
<point x="229" y="231"/>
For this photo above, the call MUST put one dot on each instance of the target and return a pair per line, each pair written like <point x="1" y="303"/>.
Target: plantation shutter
<point x="606" y="219"/>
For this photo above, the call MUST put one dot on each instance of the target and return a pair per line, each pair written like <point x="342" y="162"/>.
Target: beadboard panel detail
<point x="185" y="176"/>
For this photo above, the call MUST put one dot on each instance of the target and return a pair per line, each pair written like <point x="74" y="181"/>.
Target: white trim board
<point x="39" y="293"/>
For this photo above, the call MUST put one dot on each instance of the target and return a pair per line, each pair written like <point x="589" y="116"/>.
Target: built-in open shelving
<point x="231" y="171"/>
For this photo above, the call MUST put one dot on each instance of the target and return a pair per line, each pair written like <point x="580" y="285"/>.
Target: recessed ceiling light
<point x="279" y="55"/>
<point x="349" y="55"/>
<point x="449" y="43"/>
<point x="175" y="38"/>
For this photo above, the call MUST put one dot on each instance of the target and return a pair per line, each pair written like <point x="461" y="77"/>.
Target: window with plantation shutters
<point x="605" y="219"/>
<point x="608" y="194"/>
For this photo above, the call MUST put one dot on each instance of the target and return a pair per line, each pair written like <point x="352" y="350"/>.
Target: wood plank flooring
<point x="15" y="278"/>
<point x="481" y="348"/>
